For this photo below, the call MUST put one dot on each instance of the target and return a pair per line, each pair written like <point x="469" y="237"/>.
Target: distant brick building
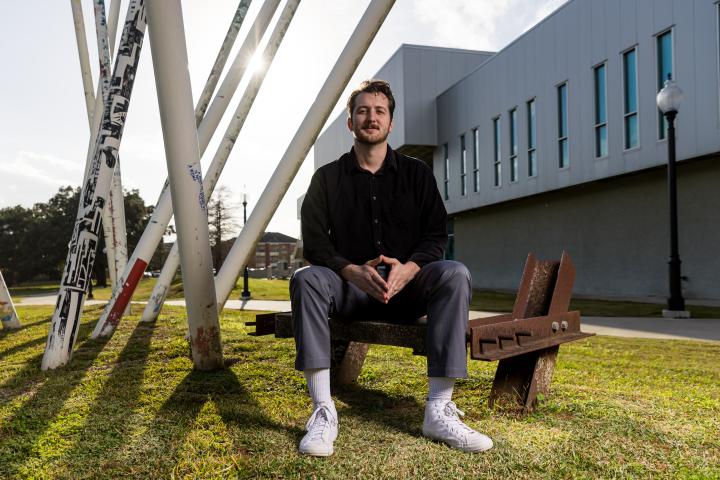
<point x="274" y="256"/>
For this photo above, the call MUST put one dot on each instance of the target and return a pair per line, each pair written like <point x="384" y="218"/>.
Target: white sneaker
<point x="322" y="428"/>
<point x="443" y="424"/>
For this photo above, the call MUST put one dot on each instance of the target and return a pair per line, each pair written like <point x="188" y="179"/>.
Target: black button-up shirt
<point x="351" y="215"/>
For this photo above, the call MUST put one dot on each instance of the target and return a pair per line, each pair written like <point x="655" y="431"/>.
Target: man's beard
<point x="364" y="139"/>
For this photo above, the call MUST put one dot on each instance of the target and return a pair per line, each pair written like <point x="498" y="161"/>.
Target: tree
<point x="15" y="222"/>
<point x="221" y="220"/>
<point x="34" y="242"/>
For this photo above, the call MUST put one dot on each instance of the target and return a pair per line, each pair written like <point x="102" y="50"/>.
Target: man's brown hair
<point x="372" y="86"/>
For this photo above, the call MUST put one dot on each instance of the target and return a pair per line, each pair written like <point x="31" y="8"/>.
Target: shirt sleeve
<point x="433" y="241"/>
<point x="318" y="248"/>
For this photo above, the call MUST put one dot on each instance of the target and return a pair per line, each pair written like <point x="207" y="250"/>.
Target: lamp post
<point x="246" y="292"/>
<point x="668" y="101"/>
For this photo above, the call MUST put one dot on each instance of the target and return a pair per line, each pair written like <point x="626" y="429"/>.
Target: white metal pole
<point x="84" y="241"/>
<point x="159" y="293"/>
<point x="177" y="116"/>
<point x="8" y="315"/>
<point x="232" y="79"/>
<point x="155" y="229"/>
<point x="114" y="215"/>
<point x="300" y="146"/>
<point x="220" y="60"/>
<point x="81" y="38"/>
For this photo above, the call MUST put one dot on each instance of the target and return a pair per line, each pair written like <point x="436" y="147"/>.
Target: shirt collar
<point x="390" y="161"/>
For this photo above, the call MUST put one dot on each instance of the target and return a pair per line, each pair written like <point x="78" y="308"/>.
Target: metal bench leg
<point x="519" y="380"/>
<point x="347" y="361"/>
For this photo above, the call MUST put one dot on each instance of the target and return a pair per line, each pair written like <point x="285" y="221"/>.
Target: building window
<point x="463" y="166"/>
<point x="563" y="149"/>
<point x="446" y="166"/>
<point x="630" y="103"/>
<point x="476" y="160"/>
<point x="601" y="140"/>
<point x="664" y="71"/>
<point x="513" y="146"/>
<point x="497" y="166"/>
<point x="531" y="139"/>
<point x="450" y="252"/>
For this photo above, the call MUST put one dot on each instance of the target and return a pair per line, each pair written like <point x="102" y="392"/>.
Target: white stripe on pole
<point x="155" y="229"/>
<point x="300" y="146"/>
<point x="114" y="213"/>
<point x="8" y="315"/>
<point x="157" y="298"/>
<point x="220" y="60"/>
<point x="83" y="244"/>
<point x="85" y="71"/>
<point x="177" y="116"/>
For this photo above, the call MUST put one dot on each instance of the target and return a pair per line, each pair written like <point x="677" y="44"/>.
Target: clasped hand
<point x="367" y="278"/>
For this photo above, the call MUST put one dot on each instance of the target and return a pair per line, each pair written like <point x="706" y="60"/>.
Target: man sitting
<point x="374" y="207"/>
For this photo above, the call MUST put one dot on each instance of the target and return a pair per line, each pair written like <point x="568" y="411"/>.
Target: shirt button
<point x="376" y="220"/>
<point x="374" y="197"/>
<point x="378" y="242"/>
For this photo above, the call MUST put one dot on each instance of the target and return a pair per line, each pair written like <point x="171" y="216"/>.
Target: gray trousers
<point x="441" y="290"/>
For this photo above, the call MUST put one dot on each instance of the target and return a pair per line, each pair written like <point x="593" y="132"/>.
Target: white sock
<point x="441" y="389"/>
<point x="318" y="382"/>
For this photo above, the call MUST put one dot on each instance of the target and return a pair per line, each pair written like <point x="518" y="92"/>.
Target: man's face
<point x="370" y="122"/>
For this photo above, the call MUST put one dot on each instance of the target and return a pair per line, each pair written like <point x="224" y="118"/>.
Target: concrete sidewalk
<point x="633" y="327"/>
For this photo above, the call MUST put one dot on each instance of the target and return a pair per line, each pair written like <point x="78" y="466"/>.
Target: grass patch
<point x="484" y="300"/>
<point x="132" y="407"/>
<point x="260" y="289"/>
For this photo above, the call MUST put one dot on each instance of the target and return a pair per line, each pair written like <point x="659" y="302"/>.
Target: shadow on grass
<point x="237" y="408"/>
<point x="103" y="429"/>
<point x="6" y="332"/>
<point x="19" y="348"/>
<point x="401" y="413"/>
<point x="19" y="433"/>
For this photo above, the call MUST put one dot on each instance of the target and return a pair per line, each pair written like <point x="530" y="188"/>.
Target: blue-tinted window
<point x="463" y="166"/>
<point x="630" y="111"/>
<point x="450" y="252"/>
<point x="497" y="166"/>
<point x="601" y="145"/>
<point x="476" y="160"/>
<point x="531" y="135"/>
<point x="664" y="68"/>
<point x="446" y="171"/>
<point x="563" y="148"/>
<point x="513" y="145"/>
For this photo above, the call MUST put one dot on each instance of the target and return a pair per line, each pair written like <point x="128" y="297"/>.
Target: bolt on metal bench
<point x="525" y="342"/>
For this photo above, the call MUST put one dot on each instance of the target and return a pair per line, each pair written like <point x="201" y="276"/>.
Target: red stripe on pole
<point x="128" y="289"/>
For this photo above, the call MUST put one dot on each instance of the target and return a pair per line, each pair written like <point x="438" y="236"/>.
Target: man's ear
<point x="349" y="122"/>
<point x="392" y="124"/>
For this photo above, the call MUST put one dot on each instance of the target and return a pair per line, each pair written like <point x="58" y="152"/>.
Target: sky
<point x="44" y="130"/>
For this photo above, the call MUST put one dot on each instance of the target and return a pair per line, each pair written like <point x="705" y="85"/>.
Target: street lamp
<point x="668" y="101"/>
<point x="246" y="291"/>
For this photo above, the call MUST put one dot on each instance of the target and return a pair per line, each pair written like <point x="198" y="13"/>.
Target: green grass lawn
<point x="485" y="300"/>
<point x="132" y="407"/>
<point x="260" y="289"/>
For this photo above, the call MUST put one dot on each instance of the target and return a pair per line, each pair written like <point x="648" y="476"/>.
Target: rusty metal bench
<point x="525" y="342"/>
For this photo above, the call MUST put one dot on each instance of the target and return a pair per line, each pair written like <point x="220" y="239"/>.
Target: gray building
<point x="556" y="142"/>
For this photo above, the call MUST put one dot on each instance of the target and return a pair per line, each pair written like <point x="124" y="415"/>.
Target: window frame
<point x="446" y="168"/>
<point x="463" y="165"/>
<point x="623" y="99"/>
<point x="514" y="167"/>
<point x="600" y="123"/>
<point x="531" y="137"/>
<point x="661" y="133"/>
<point x="476" y="159"/>
<point x="563" y="139"/>
<point x="497" y="152"/>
